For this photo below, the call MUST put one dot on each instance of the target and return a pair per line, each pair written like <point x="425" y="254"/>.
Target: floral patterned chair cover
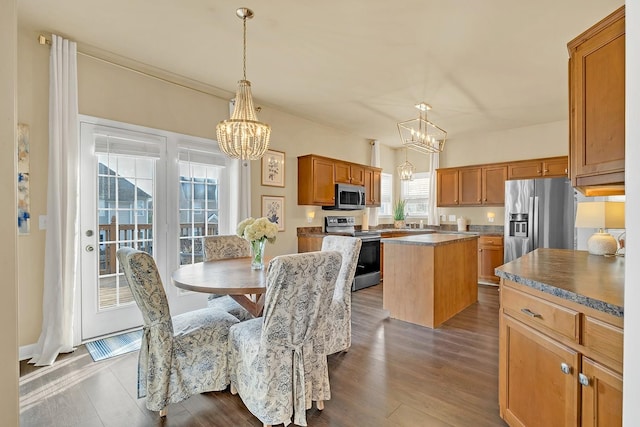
<point x="338" y="337"/>
<point x="179" y="356"/>
<point x="277" y="363"/>
<point x="224" y="247"/>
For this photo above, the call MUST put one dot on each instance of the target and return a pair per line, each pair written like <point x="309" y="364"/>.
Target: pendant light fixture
<point x="422" y="135"/>
<point x="406" y="169"/>
<point x="243" y="136"/>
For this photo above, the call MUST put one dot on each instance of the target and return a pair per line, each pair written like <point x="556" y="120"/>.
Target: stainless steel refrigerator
<point x="538" y="213"/>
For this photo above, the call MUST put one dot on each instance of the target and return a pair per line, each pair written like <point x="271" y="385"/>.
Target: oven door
<point x="368" y="268"/>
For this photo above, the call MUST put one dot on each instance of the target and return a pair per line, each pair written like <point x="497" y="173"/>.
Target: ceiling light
<point x="406" y="169"/>
<point x="420" y="134"/>
<point x="243" y="136"/>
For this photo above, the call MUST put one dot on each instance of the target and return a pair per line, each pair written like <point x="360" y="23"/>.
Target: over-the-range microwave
<point x="348" y="197"/>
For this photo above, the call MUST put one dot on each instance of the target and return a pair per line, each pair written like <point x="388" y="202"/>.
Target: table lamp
<point x="601" y="215"/>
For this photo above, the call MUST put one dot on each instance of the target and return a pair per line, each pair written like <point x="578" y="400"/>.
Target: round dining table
<point x="232" y="276"/>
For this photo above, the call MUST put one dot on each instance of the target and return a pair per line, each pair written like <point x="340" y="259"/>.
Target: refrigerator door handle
<point x="530" y="224"/>
<point x="536" y="221"/>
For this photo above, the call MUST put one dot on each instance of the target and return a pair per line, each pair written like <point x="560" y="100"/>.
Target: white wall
<point x="9" y="404"/>
<point x="632" y="189"/>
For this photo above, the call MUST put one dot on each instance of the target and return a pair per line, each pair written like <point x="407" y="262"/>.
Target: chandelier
<point x="243" y="136"/>
<point x="422" y="135"/>
<point x="406" y="169"/>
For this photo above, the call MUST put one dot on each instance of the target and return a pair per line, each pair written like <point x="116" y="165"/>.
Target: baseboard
<point x="26" y="351"/>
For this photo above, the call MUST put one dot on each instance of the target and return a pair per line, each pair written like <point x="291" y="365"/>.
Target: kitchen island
<point x="561" y="339"/>
<point x="429" y="278"/>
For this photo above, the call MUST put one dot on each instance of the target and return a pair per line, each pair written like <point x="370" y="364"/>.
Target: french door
<point x="132" y="194"/>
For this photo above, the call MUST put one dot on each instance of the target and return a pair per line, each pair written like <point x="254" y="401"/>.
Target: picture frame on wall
<point x="273" y="168"/>
<point x="273" y="209"/>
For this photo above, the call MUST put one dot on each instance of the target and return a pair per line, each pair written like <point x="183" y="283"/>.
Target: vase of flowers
<point x="398" y="214"/>
<point x="258" y="232"/>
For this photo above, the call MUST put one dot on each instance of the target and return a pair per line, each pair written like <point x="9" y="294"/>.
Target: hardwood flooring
<point x="395" y="374"/>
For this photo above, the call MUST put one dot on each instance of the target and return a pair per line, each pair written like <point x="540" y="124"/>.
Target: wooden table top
<point x="228" y="276"/>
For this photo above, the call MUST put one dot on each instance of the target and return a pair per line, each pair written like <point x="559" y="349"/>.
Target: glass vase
<point x="257" y="254"/>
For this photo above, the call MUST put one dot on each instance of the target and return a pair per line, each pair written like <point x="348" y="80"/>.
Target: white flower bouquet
<point x="257" y="229"/>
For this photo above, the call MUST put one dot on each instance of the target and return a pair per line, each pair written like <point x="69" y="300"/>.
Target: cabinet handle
<point x="479" y="250"/>
<point x="584" y="380"/>
<point x="566" y="369"/>
<point x="566" y="170"/>
<point x="485" y="199"/>
<point x="546" y="170"/>
<point x="489" y="241"/>
<point x="530" y="313"/>
<point x="539" y="173"/>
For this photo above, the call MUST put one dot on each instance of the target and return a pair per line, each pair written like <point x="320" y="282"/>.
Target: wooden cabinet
<point x="560" y="362"/>
<point x="318" y="175"/>
<point x="596" y="107"/>
<point x="309" y="243"/>
<point x="472" y="186"/>
<point x="372" y="184"/>
<point x="447" y="187"/>
<point x="539" y="168"/>
<point x="490" y="256"/>
<point x="316" y="184"/>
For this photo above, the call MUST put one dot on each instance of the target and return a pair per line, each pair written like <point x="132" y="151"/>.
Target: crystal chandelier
<point x="406" y="169"/>
<point x="243" y="136"/>
<point x="422" y="135"/>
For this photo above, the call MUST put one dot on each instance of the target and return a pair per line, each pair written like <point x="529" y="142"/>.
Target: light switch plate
<point x="443" y="217"/>
<point x="452" y="218"/>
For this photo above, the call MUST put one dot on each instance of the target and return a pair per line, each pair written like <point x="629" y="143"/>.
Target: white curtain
<point x="61" y="246"/>
<point x="375" y="161"/>
<point x="239" y="189"/>
<point x="432" y="209"/>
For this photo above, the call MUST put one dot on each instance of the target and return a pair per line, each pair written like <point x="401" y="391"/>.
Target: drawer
<point x="541" y="313"/>
<point x="602" y="337"/>
<point x="490" y="240"/>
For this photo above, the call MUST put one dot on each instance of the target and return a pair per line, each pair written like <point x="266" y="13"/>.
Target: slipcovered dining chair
<point x="277" y="363"/>
<point x="338" y="337"/>
<point x="225" y="247"/>
<point x="179" y="356"/>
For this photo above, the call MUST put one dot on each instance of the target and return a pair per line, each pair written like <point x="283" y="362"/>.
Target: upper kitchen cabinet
<point x="372" y="181"/>
<point x="596" y="107"/>
<point x="551" y="167"/>
<point x="316" y="184"/>
<point x="349" y="173"/>
<point x="493" y="178"/>
<point x="472" y="186"/>
<point x="447" y="187"/>
<point x="318" y="175"/>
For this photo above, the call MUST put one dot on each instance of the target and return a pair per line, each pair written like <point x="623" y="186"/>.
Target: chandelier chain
<point x="244" y="48"/>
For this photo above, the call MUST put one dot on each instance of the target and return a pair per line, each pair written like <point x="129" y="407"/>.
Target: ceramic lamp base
<point x="602" y="244"/>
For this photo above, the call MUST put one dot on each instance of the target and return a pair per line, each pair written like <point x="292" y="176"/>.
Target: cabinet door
<point x="342" y="172"/>
<point x="534" y="389"/>
<point x="357" y="175"/>
<point x="597" y="98"/>
<point x="323" y="187"/>
<point x="601" y="395"/>
<point x="555" y="167"/>
<point x="309" y="243"/>
<point x="489" y="257"/>
<point x="448" y="187"/>
<point x="525" y="170"/>
<point x="372" y="186"/>
<point x="470" y="190"/>
<point x="493" y="179"/>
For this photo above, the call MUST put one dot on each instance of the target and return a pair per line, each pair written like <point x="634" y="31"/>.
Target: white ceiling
<point x="355" y="65"/>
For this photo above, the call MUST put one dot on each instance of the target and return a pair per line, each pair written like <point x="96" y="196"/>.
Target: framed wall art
<point x="273" y="209"/>
<point x="273" y="168"/>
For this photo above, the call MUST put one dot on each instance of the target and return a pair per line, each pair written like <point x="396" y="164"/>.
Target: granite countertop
<point x="591" y="280"/>
<point x="434" y="239"/>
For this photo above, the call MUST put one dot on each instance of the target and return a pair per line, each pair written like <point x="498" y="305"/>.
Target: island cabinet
<point x="490" y="256"/>
<point x="596" y="107"/>
<point x="318" y="175"/>
<point x="309" y="243"/>
<point x="552" y="167"/>
<point x="561" y="347"/>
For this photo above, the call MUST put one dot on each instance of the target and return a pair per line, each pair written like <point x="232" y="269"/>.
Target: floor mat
<point x="114" y="346"/>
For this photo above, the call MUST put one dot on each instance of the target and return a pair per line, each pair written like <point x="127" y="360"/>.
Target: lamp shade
<point x="600" y="215"/>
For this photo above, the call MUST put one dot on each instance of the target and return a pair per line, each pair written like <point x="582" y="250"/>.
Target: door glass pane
<point x="198" y="207"/>
<point x="125" y="217"/>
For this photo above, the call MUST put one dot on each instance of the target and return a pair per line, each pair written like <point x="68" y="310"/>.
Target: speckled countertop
<point x="434" y="239"/>
<point x="591" y="280"/>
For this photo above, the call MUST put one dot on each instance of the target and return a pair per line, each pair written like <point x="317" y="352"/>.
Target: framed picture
<point x="273" y="209"/>
<point x="273" y="168"/>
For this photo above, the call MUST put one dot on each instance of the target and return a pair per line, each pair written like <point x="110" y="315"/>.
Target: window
<point x="386" y="194"/>
<point x="416" y="193"/>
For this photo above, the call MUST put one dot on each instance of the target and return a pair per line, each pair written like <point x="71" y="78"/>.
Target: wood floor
<point x="395" y="374"/>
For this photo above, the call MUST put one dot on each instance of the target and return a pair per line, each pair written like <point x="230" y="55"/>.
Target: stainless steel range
<point x="368" y="269"/>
